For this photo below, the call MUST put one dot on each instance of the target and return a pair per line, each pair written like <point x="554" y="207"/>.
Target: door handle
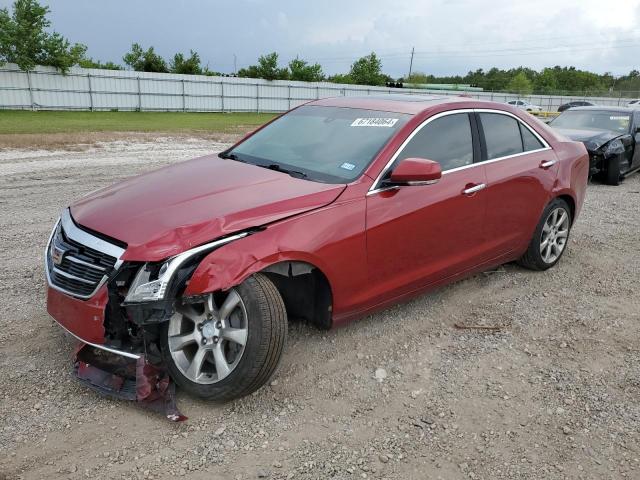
<point x="548" y="163"/>
<point x="471" y="189"/>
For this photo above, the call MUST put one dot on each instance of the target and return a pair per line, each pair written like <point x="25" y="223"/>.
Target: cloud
<point x="449" y="36"/>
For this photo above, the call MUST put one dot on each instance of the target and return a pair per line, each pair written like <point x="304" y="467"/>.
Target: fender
<point x="331" y="238"/>
<point x="572" y="176"/>
<point x="225" y="268"/>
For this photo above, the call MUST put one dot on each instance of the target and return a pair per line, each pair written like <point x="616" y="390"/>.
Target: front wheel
<point x="612" y="173"/>
<point x="229" y="344"/>
<point x="550" y="237"/>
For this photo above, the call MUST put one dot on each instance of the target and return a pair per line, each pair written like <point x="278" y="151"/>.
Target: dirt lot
<point x="554" y="394"/>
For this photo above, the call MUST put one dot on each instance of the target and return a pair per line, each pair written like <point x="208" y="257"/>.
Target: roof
<point x="398" y="102"/>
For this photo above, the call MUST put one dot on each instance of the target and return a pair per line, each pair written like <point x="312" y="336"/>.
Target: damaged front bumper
<point x="600" y="155"/>
<point x="121" y="377"/>
<point x="117" y="307"/>
<point x="126" y="374"/>
<point x="116" y="357"/>
<point x="84" y="319"/>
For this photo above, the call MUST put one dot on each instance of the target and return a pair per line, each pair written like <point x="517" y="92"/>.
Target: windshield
<point x="325" y="144"/>
<point x="594" y="120"/>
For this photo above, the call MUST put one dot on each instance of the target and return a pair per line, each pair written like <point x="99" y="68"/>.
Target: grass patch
<point x="27" y="122"/>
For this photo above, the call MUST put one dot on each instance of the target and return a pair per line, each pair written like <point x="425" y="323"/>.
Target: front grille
<point x="75" y="267"/>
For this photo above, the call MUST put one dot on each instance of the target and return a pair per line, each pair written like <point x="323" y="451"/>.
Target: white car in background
<point x="634" y="103"/>
<point x="524" y="105"/>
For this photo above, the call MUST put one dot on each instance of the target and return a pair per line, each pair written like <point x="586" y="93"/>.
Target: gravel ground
<point x="400" y="394"/>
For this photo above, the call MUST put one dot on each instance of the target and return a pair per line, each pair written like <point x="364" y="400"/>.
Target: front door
<point x="417" y="235"/>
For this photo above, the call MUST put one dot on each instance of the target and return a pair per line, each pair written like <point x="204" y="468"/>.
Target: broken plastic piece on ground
<point x="499" y="269"/>
<point x="491" y="328"/>
<point x="127" y="379"/>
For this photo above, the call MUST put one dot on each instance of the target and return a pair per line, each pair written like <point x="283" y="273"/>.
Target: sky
<point x="449" y="36"/>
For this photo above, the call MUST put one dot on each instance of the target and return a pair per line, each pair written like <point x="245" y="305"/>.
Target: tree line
<point x="551" y="80"/>
<point x="26" y="41"/>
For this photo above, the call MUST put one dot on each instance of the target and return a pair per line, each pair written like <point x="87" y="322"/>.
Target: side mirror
<point x="416" y="171"/>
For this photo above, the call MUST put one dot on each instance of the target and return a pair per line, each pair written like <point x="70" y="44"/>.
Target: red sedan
<point x="335" y="209"/>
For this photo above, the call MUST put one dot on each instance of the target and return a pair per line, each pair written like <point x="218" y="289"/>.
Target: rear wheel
<point x="550" y="237"/>
<point x="228" y="345"/>
<point x="612" y="173"/>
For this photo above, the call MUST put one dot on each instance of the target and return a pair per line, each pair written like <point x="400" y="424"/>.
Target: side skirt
<point x="341" y="319"/>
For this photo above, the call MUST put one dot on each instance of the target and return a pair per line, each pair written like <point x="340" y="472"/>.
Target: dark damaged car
<point x="611" y="136"/>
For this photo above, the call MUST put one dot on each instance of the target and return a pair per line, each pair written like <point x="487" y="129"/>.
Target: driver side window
<point x="446" y="140"/>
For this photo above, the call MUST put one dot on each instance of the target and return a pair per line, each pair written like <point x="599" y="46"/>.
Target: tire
<point x="259" y="318"/>
<point x="612" y="173"/>
<point x="539" y="257"/>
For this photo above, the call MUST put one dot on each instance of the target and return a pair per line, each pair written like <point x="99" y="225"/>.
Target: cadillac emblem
<point x="57" y="254"/>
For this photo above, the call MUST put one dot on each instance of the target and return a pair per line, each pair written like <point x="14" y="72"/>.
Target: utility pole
<point x="235" y="61"/>
<point x="411" y="63"/>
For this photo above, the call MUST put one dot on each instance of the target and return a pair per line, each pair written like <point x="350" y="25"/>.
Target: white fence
<point x="92" y="89"/>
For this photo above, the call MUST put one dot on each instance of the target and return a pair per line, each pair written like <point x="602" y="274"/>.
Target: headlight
<point x="614" y="147"/>
<point x="143" y="289"/>
<point x="152" y="281"/>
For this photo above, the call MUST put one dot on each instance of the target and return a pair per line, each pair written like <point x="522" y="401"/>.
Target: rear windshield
<point x="594" y="120"/>
<point x="325" y="144"/>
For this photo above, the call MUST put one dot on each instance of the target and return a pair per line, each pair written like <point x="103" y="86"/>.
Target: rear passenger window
<point x="501" y="134"/>
<point x="446" y="140"/>
<point x="529" y="140"/>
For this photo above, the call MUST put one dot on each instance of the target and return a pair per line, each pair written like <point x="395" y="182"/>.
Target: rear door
<point x="521" y="169"/>
<point x="417" y="235"/>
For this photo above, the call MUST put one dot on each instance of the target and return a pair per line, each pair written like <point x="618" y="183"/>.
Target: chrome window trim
<point x="375" y="185"/>
<point x="493" y="160"/>
<point x="518" y="119"/>
<point x="373" y="189"/>
<point x="80" y="236"/>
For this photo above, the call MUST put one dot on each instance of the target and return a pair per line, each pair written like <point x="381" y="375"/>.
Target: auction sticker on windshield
<point x="374" y="122"/>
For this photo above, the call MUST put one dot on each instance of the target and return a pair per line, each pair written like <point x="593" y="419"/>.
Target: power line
<point x="400" y="53"/>
<point x="591" y="36"/>
<point x="527" y="49"/>
<point x="541" y="51"/>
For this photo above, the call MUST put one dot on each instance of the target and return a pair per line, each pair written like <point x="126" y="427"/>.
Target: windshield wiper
<point x="278" y="168"/>
<point x="270" y="166"/>
<point x="230" y="156"/>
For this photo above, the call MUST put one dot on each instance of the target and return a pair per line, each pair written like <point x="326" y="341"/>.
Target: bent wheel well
<point x="305" y="290"/>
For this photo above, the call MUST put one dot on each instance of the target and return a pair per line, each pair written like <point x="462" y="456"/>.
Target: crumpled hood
<point x="170" y="210"/>
<point x="592" y="139"/>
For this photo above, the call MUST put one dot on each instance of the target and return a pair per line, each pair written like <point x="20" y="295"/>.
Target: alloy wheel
<point x="207" y="339"/>
<point x="554" y="235"/>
